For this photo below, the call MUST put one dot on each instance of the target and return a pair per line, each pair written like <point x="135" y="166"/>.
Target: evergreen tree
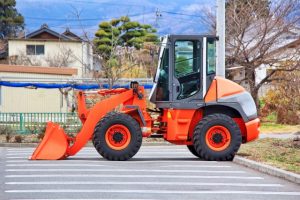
<point x="122" y="32"/>
<point x="11" y="21"/>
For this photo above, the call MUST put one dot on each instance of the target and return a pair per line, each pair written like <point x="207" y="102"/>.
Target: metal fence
<point x="36" y="122"/>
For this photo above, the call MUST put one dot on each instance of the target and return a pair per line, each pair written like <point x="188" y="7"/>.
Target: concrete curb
<point x="22" y="145"/>
<point x="290" y="176"/>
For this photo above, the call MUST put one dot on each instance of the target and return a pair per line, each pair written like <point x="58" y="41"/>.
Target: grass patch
<point x="268" y="127"/>
<point x="281" y="153"/>
<point x="272" y="117"/>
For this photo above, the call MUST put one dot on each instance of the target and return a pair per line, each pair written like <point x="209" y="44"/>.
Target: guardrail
<point x="36" y="122"/>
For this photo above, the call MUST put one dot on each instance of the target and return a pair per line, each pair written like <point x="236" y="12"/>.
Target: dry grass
<point x="281" y="153"/>
<point x="268" y="127"/>
<point x="26" y="138"/>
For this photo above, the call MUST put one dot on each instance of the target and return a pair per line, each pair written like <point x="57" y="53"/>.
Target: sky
<point x="167" y="16"/>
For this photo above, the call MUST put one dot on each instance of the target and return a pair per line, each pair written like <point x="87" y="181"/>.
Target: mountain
<point x="169" y="17"/>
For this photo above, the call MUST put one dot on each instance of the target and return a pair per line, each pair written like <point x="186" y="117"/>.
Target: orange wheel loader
<point x="212" y="116"/>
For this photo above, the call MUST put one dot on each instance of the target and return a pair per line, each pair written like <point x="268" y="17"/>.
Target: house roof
<point x="45" y="33"/>
<point x="292" y="44"/>
<point x="38" y="70"/>
<point x="45" y="29"/>
<point x="71" y="35"/>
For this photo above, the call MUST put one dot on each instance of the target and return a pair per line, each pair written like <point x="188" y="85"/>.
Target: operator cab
<point x="186" y="68"/>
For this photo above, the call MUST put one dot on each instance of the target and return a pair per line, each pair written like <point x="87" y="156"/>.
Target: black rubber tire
<point x="94" y="141"/>
<point x="99" y="136"/>
<point x="192" y="149"/>
<point x="200" y="143"/>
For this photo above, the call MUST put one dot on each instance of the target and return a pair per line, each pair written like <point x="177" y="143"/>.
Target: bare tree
<point x="117" y="63"/>
<point x="120" y="61"/>
<point x="63" y="58"/>
<point x="257" y="35"/>
<point x="23" y="59"/>
<point x="65" y="93"/>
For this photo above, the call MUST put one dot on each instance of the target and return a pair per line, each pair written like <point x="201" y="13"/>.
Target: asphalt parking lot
<point x="156" y="172"/>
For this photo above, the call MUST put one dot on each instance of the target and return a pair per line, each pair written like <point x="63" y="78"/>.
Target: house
<point x="26" y="109"/>
<point x="45" y="47"/>
<point x="30" y="99"/>
<point x="285" y="50"/>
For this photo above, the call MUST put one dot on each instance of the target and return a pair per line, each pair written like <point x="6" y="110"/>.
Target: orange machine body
<point x="176" y="125"/>
<point x="58" y="145"/>
<point x="222" y="88"/>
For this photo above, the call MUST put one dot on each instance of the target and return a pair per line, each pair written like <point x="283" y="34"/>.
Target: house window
<point x="35" y="49"/>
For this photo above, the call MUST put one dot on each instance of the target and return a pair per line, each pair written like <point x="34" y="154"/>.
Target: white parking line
<point x="141" y="183"/>
<point x="136" y="156"/>
<point x="144" y="147"/>
<point x="196" y="166"/>
<point x="129" y="176"/>
<point x="54" y="165"/>
<point x="124" y="170"/>
<point x="16" y="157"/>
<point x="103" y="161"/>
<point x="95" y="153"/>
<point x="161" y="155"/>
<point x="199" y="164"/>
<point x="83" y="165"/>
<point x="98" y="156"/>
<point x="158" y="192"/>
<point x="83" y="199"/>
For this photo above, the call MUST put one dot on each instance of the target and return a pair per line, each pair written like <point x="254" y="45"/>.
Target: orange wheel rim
<point x="117" y="137"/>
<point x="218" y="138"/>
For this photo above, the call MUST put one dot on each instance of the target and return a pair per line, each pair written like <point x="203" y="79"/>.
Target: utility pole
<point x="158" y="16"/>
<point x="220" y="71"/>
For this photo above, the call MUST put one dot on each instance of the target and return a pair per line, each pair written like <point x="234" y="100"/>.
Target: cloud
<point x="193" y="8"/>
<point x="197" y="8"/>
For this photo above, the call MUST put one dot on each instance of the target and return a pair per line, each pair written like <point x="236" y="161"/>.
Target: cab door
<point x="186" y="69"/>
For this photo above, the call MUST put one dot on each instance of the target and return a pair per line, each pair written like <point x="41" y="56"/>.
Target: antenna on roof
<point x="45" y="26"/>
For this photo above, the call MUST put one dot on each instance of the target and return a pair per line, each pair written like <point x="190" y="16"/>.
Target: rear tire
<point x="192" y="149"/>
<point x="217" y="137"/>
<point x="117" y="136"/>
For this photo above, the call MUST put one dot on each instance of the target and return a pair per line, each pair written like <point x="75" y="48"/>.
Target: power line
<point x="96" y="2"/>
<point x="175" y="13"/>
<point x="84" y="19"/>
<point x="107" y="3"/>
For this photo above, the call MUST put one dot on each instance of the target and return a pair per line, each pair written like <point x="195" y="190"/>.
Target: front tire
<point x="217" y="137"/>
<point x="117" y="136"/>
<point x="192" y="149"/>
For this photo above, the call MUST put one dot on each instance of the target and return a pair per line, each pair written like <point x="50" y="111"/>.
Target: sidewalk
<point x="279" y="135"/>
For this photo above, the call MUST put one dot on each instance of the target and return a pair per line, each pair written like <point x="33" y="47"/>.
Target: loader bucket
<point x="54" y="144"/>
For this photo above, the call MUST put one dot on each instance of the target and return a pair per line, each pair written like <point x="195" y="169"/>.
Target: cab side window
<point x="211" y="56"/>
<point x="162" y="93"/>
<point x="187" y="67"/>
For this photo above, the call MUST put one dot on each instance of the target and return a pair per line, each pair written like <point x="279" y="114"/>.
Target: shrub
<point x="284" y="99"/>
<point x="18" y="139"/>
<point x="41" y="135"/>
<point x="7" y="131"/>
<point x="7" y="137"/>
<point x="4" y="130"/>
<point x="42" y="129"/>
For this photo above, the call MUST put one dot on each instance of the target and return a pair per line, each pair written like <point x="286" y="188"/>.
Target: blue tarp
<point x="63" y="85"/>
